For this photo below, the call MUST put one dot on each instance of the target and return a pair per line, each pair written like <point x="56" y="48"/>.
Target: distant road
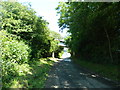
<point x="65" y="74"/>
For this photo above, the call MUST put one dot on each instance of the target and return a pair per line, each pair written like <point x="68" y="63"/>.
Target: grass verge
<point x="109" y="71"/>
<point x="31" y="75"/>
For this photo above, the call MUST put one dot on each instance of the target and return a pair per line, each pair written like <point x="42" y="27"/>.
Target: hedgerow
<point x="13" y="53"/>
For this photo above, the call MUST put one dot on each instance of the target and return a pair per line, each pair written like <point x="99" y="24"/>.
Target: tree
<point x="94" y="29"/>
<point x="55" y="40"/>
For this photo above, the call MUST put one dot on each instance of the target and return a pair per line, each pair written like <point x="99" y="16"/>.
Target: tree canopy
<point x="94" y="28"/>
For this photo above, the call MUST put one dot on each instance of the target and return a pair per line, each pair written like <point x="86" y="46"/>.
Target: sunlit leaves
<point x="13" y="53"/>
<point x="17" y="18"/>
<point x="13" y="50"/>
<point x="24" y="38"/>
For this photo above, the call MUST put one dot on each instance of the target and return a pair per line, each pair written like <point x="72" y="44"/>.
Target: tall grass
<point x="31" y="75"/>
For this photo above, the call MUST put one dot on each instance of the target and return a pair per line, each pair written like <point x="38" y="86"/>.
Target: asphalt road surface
<point x="65" y="74"/>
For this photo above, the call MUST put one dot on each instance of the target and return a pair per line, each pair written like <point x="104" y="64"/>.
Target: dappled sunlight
<point x="32" y="75"/>
<point x="89" y="74"/>
<point x="66" y="83"/>
<point x="66" y="75"/>
<point x="44" y="62"/>
<point x="59" y="59"/>
<point x="84" y="74"/>
<point x="62" y="77"/>
<point x="53" y="59"/>
<point x="93" y="75"/>
<point x="67" y="60"/>
<point x="15" y="84"/>
<point x="34" y="46"/>
<point x="85" y="88"/>
<point x="55" y="86"/>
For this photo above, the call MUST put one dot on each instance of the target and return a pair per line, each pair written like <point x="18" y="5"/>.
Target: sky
<point x="46" y="9"/>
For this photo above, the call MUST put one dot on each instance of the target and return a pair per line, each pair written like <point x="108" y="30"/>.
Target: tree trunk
<point x="53" y="55"/>
<point x="109" y="45"/>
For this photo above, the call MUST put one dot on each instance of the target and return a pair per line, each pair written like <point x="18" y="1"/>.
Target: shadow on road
<point x="65" y="74"/>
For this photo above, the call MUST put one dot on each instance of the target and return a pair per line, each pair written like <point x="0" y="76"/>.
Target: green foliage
<point x="24" y="38"/>
<point x="13" y="53"/>
<point x="60" y="54"/>
<point x="54" y="41"/>
<point x="40" y="41"/>
<point x="94" y="29"/>
<point x="54" y="45"/>
<point x="21" y="21"/>
<point x="29" y="76"/>
<point x="17" y="18"/>
<point x="55" y="35"/>
<point x="13" y="50"/>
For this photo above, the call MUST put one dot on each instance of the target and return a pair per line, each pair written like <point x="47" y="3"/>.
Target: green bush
<point x="13" y="50"/>
<point x="13" y="53"/>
